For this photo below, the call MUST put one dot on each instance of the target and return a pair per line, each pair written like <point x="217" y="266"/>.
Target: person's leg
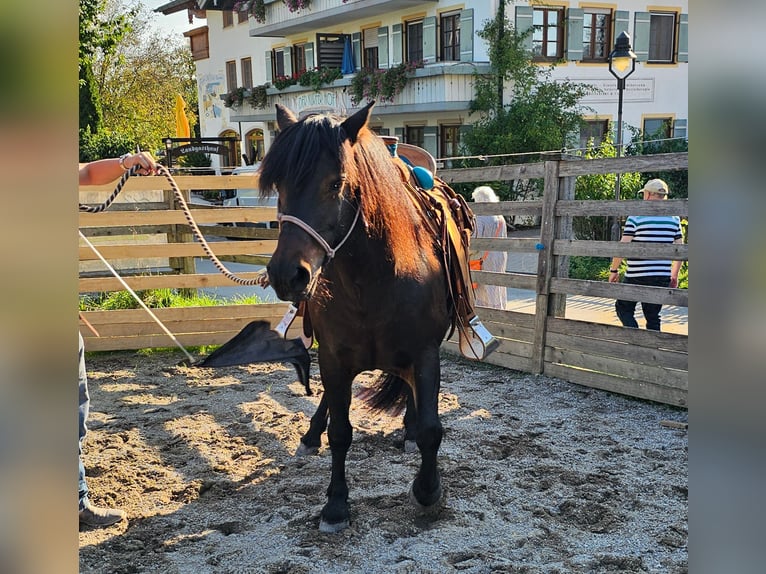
<point x="652" y="310"/>
<point x="84" y="408"/>
<point x="89" y="514"/>
<point x="626" y="313"/>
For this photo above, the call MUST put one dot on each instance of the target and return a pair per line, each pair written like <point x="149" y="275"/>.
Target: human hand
<point x="614" y="277"/>
<point x="673" y="282"/>
<point x="143" y="159"/>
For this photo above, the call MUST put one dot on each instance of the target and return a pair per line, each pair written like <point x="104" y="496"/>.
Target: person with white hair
<point x="489" y="226"/>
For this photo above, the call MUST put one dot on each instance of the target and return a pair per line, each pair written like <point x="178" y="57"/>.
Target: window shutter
<point x="679" y="128"/>
<point x="309" y="52"/>
<point x="621" y="24"/>
<point x="466" y="35"/>
<point x="383" y="47"/>
<point x="269" y="67"/>
<point x="524" y="15"/>
<point x="683" y="38"/>
<point x="431" y="140"/>
<point x="429" y="39"/>
<point x="287" y="55"/>
<point x="396" y="44"/>
<point x="574" y="34"/>
<point x="641" y="24"/>
<point x="356" y="47"/>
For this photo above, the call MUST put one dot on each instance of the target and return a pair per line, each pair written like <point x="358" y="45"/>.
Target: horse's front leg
<point x="335" y="514"/>
<point x="426" y="489"/>
<point x="312" y="440"/>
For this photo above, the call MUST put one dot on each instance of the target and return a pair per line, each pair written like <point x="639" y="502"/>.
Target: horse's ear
<point x="285" y="118"/>
<point x="353" y="124"/>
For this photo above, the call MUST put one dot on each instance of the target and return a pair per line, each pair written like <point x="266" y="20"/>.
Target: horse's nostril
<point x="301" y="278"/>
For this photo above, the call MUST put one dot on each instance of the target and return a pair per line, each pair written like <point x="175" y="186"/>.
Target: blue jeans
<point x="626" y="309"/>
<point x="84" y="408"/>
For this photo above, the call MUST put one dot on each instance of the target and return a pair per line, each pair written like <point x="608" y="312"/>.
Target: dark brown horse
<point x="355" y="245"/>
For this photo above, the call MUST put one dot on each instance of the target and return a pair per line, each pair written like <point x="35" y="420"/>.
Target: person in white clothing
<point x="489" y="226"/>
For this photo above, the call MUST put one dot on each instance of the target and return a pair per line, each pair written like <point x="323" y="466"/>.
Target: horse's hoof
<point x="332" y="528"/>
<point x="410" y="446"/>
<point x="431" y="509"/>
<point x="304" y="450"/>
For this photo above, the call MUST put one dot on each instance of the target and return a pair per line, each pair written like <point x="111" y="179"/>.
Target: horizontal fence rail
<point x="146" y="236"/>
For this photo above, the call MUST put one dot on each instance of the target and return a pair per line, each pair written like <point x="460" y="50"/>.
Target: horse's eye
<point x="337" y="186"/>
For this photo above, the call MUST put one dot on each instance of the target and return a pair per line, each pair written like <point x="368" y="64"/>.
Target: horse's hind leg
<point x="312" y="440"/>
<point x="426" y="489"/>
<point x="410" y="424"/>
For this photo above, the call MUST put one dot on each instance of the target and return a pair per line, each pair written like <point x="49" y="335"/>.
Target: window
<point x="548" y="34"/>
<point x="449" y="143"/>
<point x="241" y="16"/>
<point x="247" y="72"/>
<point x="255" y="146"/>
<point x="330" y="50"/>
<point x="657" y="128"/>
<point x="594" y="130"/>
<point x="228" y="18"/>
<point x="414" y="135"/>
<point x="278" y="63"/>
<point x="231" y="75"/>
<point x="450" y="36"/>
<point x="413" y="39"/>
<point x="370" y="48"/>
<point x="596" y="37"/>
<point x="299" y="58"/>
<point x="661" y="37"/>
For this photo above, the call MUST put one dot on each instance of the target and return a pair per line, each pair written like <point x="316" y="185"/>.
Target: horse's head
<point x="307" y="165"/>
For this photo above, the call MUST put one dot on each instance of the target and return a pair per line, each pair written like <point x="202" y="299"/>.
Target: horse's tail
<point x="388" y="393"/>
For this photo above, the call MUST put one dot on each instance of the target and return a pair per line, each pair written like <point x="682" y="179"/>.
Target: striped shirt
<point x="651" y="229"/>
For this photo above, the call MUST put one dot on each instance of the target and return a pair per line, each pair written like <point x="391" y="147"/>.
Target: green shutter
<point x="524" y="23"/>
<point x="431" y="140"/>
<point x="683" y="38"/>
<point x="309" y="51"/>
<point x="383" y="47"/>
<point x="574" y="34"/>
<point x="641" y="24"/>
<point x="680" y="129"/>
<point x="356" y="47"/>
<point x="621" y="24"/>
<point x="396" y="44"/>
<point x="287" y="58"/>
<point x="429" y="39"/>
<point x="269" y="67"/>
<point x="466" y="35"/>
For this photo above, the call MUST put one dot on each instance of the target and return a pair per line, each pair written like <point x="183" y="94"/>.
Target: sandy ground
<point x="540" y="476"/>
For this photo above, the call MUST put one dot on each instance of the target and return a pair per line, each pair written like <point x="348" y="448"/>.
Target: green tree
<point x="540" y="115"/>
<point x="648" y="144"/>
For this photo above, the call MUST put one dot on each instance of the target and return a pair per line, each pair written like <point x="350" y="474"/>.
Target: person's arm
<point x="106" y="170"/>
<point x="675" y="266"/>
<point x="614" y="275"/>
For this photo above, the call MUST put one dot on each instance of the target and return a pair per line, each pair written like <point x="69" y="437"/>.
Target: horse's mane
<point x="374" y="178"/>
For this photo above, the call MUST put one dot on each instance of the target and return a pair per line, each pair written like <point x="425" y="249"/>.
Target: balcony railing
<point x="323" y="14"/>
<point x="437" y="87"/>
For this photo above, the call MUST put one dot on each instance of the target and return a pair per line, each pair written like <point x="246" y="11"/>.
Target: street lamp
<point x="622" y="63"/>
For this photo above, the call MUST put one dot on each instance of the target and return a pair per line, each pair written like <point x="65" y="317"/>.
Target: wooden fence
<point x="636" y="362"/>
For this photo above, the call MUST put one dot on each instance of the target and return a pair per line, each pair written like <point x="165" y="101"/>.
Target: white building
<point x="235" y="50"/>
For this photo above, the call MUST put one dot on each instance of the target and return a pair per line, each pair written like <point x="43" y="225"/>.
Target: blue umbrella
<point x="347" y="66"/>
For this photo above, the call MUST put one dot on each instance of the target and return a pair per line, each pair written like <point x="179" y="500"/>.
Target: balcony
<point x="435" y="88"/>
<point x="323" y="14"/>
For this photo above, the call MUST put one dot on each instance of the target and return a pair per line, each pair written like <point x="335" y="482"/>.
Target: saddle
<point x="451" y="221"/>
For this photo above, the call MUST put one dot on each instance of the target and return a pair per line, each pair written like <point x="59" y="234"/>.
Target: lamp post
<point x="622" y="63"/>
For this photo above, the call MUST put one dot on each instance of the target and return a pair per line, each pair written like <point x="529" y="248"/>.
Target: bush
<point x="104" y="144"/>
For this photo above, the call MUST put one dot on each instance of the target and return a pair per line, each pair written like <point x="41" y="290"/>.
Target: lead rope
<point x="261" y="280"/>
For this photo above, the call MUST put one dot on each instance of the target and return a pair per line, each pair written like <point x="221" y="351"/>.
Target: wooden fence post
<point x="566" y="191"/>
<point x="180" y="265"/>
<point x="545" y="262"/>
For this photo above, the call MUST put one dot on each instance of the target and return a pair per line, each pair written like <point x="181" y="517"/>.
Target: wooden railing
<point x="636" y="362"/>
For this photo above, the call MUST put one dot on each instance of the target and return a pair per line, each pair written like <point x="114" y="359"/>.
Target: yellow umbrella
<point x="182" y="122"/>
